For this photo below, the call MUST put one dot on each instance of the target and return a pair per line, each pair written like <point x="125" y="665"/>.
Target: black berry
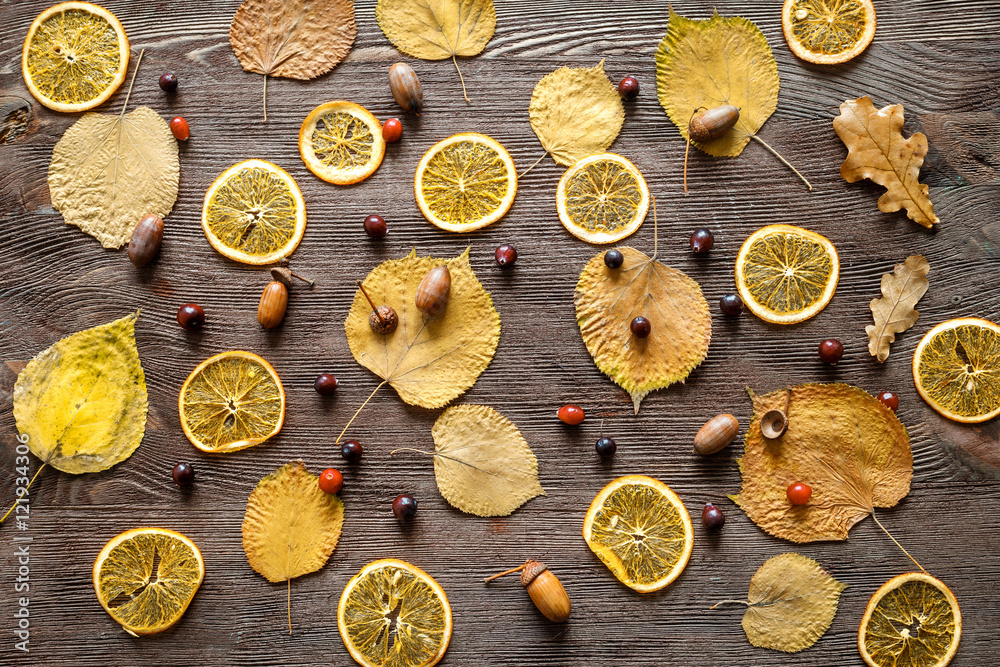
<point x="326" y="384"/>
<point x="628" y="88"/>
<point x="606" y="447"/>
<point x="831" y="350"/>
<point x="731" y="304"/>
<point x="351" y="450"/>
<point x="613" y="258"/>
<point x="375" y="226"/>
<point x="640" y="327"/>
<point x="191" y="316"/>
<point x="702" y="240"/>
<point x="505" y="255"/>
<point x="404" y="507"/>
<point x="168" y="82"/>
<point x="183" y="474"/>
<point x="712" y="517"/>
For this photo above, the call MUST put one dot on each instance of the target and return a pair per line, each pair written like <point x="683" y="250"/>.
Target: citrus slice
<point x="341" y="142"/>
<point x="956" y="369"/>
<point x="390" y="589"/>
<point x="602" y="198"/>
<point x="641" y="530"/>
<point x="254" y="213"/>
<point x="786" y="274"/>
<point x="75" y="56"/>
<point x="231" y="401"/>
<point x="828" y="32"/>
<point x="465" y="182"/>
<point x="146" y="578"/>
<point x="913" y="620"/>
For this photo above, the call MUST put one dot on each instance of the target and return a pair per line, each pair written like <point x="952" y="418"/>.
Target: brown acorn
<point x="273" y="302"/>
<point x="432" y="292"/>
<point x="406" y="88"/>
<point x="544" y="588"/>
<point x="146" y="239"/>
<point x="717" y="432"/>
<point x="710" y="124"/>
<point x="383" y="319"/>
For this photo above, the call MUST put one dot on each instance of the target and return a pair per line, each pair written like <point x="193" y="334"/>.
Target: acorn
<point x="383" y="319"/>
<point x="710" y="124"/>
<point x="717" y="432"/>
<point x="432" y="292"/>
<point x="406" y="88"/>
<point x="146" y="239"/>
<point x="544" y="588"/>
<point x="273" y="302"/>
<point x="774" y="423"/>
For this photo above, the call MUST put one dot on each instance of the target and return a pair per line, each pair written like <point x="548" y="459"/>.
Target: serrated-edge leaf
<point x="895" y="311"/>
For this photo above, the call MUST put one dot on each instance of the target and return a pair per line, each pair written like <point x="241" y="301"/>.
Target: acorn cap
<point x="282" y="275"/>
<point x="531" y="570"/>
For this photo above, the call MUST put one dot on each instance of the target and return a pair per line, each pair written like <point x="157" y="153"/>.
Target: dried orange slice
<point x="390" y="589"/>
<point x="913" y="620"/>
<point x="341" y="142"/>
<point x="602" y="198"/>
<point x="254" y="213"/>
<point x="146" y="578"/>
<point x="956" y="369"/>
<point x="231" y="401"/>
<point x="828" y="32"/>
<point x="75" y="56"/>
<point x="465" y="182"/>
<point x="786" y="274"/>
<point x="641" y="530"/>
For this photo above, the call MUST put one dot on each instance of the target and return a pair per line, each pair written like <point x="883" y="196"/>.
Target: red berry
<point x="180" y="128"/>
<point x="712" y="517"/>
<point x="571" y="414"/>
<point x="331" y="481"/>
<point x="375" y="226"/>
<point x="831" y="350"/>
<point x="505" y="255"/>
<point x="889" y="400"/>
<point x="640" y="326"/>
<point x="392" y="130"/>
<point x="799" y="493"/>
<point x="628" y="87"/>
<point x="326" y="384"/>
<point x="191" y="316"/>
<point x="702" y="240"/>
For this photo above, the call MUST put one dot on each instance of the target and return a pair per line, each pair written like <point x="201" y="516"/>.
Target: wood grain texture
<point x="938" y="59"/>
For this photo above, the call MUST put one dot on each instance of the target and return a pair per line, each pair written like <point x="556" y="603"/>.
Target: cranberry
<point x="331" y="481"/>
<point x="392" y="131"/>
<point x="799" y="493"/>
<point x="889" y="400"/>
<point x="375" y="226"/>
<point x="831" y="350"/>
<point x="505" y="255"/>
<point x="191" y="316"/>
<point x="628" y="88"/>
<point x="571" y="414"/>
<point x="180" y="128"/>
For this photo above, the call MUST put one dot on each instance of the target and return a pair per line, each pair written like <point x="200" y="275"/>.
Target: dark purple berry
<point x="606" y="447"/>
<point x="613" y="258"/>
<point x="702" y="240"/>
<point x="168" y="82"/>
<point x="628" y="88"/>
<point x="404" y="507"/>
<point x="351" y="450"/>
<point x="731" y="304"/>
<point x="326" y="384"/>
<point x="640" y="327"/>
<point x="712" y="517"/>
<point x="375" y="226"/>
<point x="183" y="474"/>
<point x="831" y="350"/>
<point x="505" y="255"/>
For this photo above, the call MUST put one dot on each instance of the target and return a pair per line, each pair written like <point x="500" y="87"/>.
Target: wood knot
<point x="15" y="113"/>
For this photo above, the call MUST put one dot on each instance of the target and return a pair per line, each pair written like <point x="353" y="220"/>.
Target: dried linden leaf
<point x="291" y="527"/>
<point x="437" y="29"/>
<point x="851" y="449"/>
<point x="705" y="63"/>
<point x="295" y="39"/>
<point x="109" y="172"/>
<point x="608" y="299"/>
<point x="82" y="402"/>
<point x="482" y="464"/>
<point x="576" y="112"/>
<point x="876" y="150"/>
<point x="791" y="603"/>
<point x="429" y="361"/>
<point x="895" y="312"/>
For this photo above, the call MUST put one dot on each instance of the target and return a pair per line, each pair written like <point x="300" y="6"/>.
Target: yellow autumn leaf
<point x="791" y="603"/>
<point x="108" y="172"/>
<point x="705" y="63"/>
<point x="576" y="112"/>
<point x="429" y="361"/>
<point x="849" y="448"/>
<point x="482" y="464"/>
<point x="896" y="311"/>
<point x="291" y="527"/>
<point x="608" y="299"/>
<point x="438" y="29"/>
<point x="82" y="403"/>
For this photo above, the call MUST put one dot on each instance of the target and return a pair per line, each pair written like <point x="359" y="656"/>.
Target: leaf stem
<point x="37" y="472"/>
<point x="265" y="98"/>
<point x="289" y="605"/>
<point x="370" y="396"/>
<point x="460" y="78"/>
<point x="532" y="165"/>
<point x="131" y="83"/>
<point x="410" y="449"/>
<point x="786" y="162"/>
<point x="505" y="572"/>
<point x="898" y="544"/>
<point x="656" y="229"/>
<point x="742" y="602"/>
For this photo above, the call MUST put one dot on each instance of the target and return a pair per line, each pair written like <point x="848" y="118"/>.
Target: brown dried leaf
<point x="877" y="151"/>
<point x="295" y="39"/>
<point x="895" y="312"/>
<point x="852" y="450"/>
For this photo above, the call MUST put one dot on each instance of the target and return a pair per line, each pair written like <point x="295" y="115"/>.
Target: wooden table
<point x="938" y="59"/>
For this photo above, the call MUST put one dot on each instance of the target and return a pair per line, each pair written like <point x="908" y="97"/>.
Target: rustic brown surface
<point x="936" y="58"/>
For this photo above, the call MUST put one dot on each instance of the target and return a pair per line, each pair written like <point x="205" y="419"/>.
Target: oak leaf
<point x="294" y="39"/>
<point x="576" y="112"/>
<point x="791" y="603"/>
<point x="290" y="527"/>
<point x="852" y="450"/>
<point x="608" y="299"/>
<point x="482" y="464"/>
<point x="876" y="150"/>
<point x="438" y="29"/>
<point x="81" y="404"/>
<point x="895" y="312"/>
<point x="429" y="361"/>
<point x="705" y="63"/>
<point x="110" y="171"/>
